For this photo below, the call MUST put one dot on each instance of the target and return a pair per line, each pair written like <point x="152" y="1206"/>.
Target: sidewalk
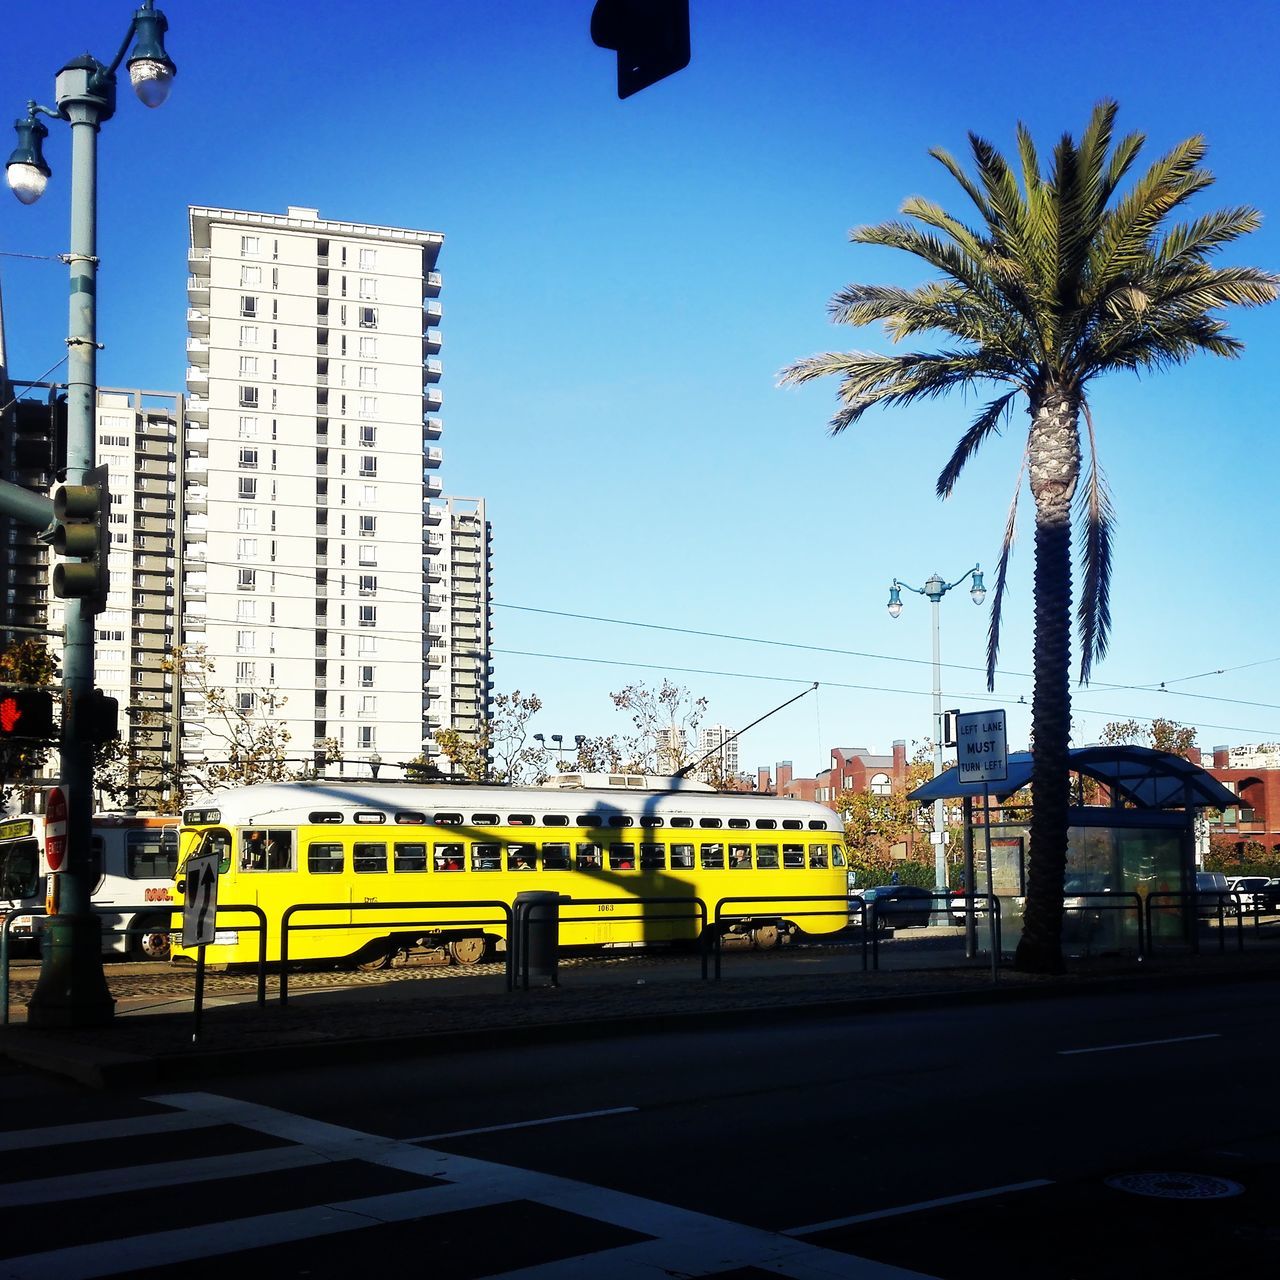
<point x="151" y="1037"/>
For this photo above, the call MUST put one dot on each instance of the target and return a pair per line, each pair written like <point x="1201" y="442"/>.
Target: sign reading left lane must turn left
<point x="200" y="901"/>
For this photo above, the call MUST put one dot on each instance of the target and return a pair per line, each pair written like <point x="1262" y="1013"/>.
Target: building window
<point x="880" y="784"/>
<point x="365" y="737"/>
<point x="251" y="276"/>
<point x="368" y="406"/>
<point x="246" y="610"/>
<point x="245" y="699"/>
<point x="368" y="615"/>
<point x="246" y="518"/>
<point x="368" y="435"/>
<point x="246" y="579"/>
<point x="368" y="557"/>
<point x="247" y="488"/>
<point x="368" y="260"/>
<point x="245" y="672"/>
<point x="368" y="584"/>
<point x="246" y="548"/>
<point x="248" y="428"/>
<point x="368" y="526"/>
<point x="366" y="677"/>
<point x="366" y="644"/>
<point x="368" y="317"/>
<point x="368" y="706"/>
<point x="244" y="641"/>
<point x="248" y="458"/>
<point x="248" y="335"/>
<point x="248" y="246"/>
<point x="368" y="348"/>
<point x="248" y="306"/>
<point x="248" y="366"/>
<point x="369" y="495"/>
<point x="368" y="287"/>
<point x="368" y="465"/>
<point x="368" y="375"/>
<point x="248" y="397"/>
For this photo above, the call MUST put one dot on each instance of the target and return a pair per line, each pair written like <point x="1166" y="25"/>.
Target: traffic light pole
<point x="72" y="990"/>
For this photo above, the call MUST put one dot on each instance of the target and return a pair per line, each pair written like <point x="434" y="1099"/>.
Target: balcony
<point x="198" y="437"/>
<point x="196" y="497"/>
<point x="433" y="570"/>
<point x="198" y="351"/>
<point x="431" y="283"/>
<point x="198" y="322"/>
<point x="431" y="370"/>
<point x="198" y="407"/>
<point x="432" y="397"/>
<point x="434" y="485"/>
<point x="431" y="341"/>
<point x="197" y="377"/>
<point x="433" y="311"/>
<point x="432" y="515"/>
<point x="432" y="457"/>
<point x="197" y="465"/>
<point x="432" y="427"/>
<point x="437" y="600"/>
<point x="198" y="260"/>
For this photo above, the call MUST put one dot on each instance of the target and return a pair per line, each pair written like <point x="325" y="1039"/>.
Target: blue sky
<point x="622" y="282"/>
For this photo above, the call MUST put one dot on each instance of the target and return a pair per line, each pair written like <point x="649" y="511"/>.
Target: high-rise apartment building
<point x="716" y="738"/>
<point x="320" y="562"/>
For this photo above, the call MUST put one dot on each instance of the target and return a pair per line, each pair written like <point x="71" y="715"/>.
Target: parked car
<point x="1213" y="891"/>
<point x="1251" y="891"/>
<point x="959" y="907"/>
<point x="897" y="906"/>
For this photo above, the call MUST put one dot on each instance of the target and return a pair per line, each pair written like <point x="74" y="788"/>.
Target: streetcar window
<point x="522" y="857"/>
<point x="520" y="820"/>
<point x="739" y="822"/>
<point x="219" y="842"/>
<point x="369" y="815"/>
<point x="712" y="856"/>
<point x="818" y="857"/>
<point x="793" y="855"/>
<point x="740" y="857"/>
<point x="486" y="857"/>
<point x="266" y="851"/>
<point x="588" y="820"/>
<point x="682" y="857"/>
<point x="151" y="852"/>
<point x="792" y="824"/>
<point x="622" y="857"/>
<point x="447" y="857"/>
<point x="280" y="851"/>
<point x="411" y="820"/>
<point x="588" y="856"/>
<point x="767" y="824"/>
<point x="620" y="820"/>
<point x="817" y="824"/>
<point x="708" y="822"/>
<point x="324" y="859"/>
<point x="369" y="858"/>
<point x="651" y="822"/>
<point x="409" y="857"/>
<point x="555" y="820"/>
<point x="837" y="855"/>
<point x="767" y="857"/>
<point x="484" y="819"/>
<point x="448" y="819"/>
<point x="324" y="815"/>
<point x="682" y="822"/>
<point x="555" y="857"/>
<point x="653" y="857"/>
<point x="20" y="870"/>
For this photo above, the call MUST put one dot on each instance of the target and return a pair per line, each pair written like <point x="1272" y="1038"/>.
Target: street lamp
<point x="71" y="990"/>
<point x="935" y="588"/>
<point x="375" y="763"/>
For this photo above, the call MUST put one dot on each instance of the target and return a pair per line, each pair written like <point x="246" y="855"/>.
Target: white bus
<point x="133" y="863"/>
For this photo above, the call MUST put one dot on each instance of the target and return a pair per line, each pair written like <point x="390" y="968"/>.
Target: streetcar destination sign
<point x="981" y="748"/>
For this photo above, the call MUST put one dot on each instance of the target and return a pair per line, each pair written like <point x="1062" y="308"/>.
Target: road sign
<point x="981" y="747"/>
<point x="55" y="828"/>
<point x="200" y="901"/>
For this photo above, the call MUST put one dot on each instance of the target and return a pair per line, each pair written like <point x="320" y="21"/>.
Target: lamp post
<point x="71" y="990"/>
<point x="375" y="763"/>
<point x="935" y="588"/>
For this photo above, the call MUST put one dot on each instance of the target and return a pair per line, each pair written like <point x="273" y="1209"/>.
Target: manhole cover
<point x="1176" y="1186"/>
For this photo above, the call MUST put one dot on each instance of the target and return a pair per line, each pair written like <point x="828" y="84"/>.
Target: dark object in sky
<point x="651" y="37"/>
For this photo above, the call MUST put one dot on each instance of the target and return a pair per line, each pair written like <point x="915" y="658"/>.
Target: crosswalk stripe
<point x="104" y="1130"/>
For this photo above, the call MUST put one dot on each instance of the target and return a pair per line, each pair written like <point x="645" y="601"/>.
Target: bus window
<point x="793" y="855"/>
<point x="622" y="857"/>
<point x="486" y="857"/>
<point x="818" y="856"/>
<point x="682" y="857"/>
<point x="447" y="857"/>
<point x="767" y="857"/>
<point x="589" y="857"/>
<point x="740" y="857"/>
<point x="324" y="859"/>
<point x="368" y="859"/>
<point x="653" y="857"/>
<point x="409" y="857"/>
<point x="521" y="857"/>
<point x="151" y="852"/>
<point x="712" y="857"/>
<point x="555" y="857"/>
<point x="20" y="870"/>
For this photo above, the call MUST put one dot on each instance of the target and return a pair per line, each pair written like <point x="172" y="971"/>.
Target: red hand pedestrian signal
<point x="10" y="714"/>
<point x="26" y="713"/>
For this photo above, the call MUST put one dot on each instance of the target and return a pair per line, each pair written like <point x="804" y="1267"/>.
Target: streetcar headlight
<point x="21" y="924"/>
<point x="226" y="938"/>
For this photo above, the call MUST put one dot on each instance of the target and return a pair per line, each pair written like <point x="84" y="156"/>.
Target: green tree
<point x="1062" y="280"/>
<point x="1159" y="734"/>
<point x="499" y="751"/>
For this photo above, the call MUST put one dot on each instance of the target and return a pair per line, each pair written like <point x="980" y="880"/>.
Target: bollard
<point x="537" y="914"/>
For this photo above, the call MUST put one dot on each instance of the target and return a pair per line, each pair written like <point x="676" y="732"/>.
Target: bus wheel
<point x="765" y="937"/>
<point x="467" y="950"/>
<point x="150" y="941"/>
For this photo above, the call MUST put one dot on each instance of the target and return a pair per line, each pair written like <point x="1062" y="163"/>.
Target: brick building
<point x="1253" y="774"/>
<point x="851" y="769"/>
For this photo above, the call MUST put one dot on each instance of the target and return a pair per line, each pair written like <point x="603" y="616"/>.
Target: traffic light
<point x="80" y="530"/>
<point x="651" y="37"/>
<point x="26" y="713"/>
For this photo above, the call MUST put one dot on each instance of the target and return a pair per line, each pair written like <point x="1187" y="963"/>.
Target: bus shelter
<point x="1132" y="832"/>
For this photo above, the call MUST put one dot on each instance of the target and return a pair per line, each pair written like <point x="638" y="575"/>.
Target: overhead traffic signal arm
<point x="81" y="518"/>
<point x="651" y="37"/>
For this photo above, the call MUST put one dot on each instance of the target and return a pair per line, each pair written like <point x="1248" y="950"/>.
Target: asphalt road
<point x="812" y="1149"/>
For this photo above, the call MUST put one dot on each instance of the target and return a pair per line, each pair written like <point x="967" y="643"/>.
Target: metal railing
<point x="720" y="917"/>
<point x="1103" y="900"/>
<point x="698" y="911"/>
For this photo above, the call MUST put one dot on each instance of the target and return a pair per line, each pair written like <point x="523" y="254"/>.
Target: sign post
<point x="199" y="920"/>
<point x="982" y="754"/>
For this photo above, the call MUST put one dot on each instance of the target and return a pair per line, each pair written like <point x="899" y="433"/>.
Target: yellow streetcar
<point x="341" y="852"/>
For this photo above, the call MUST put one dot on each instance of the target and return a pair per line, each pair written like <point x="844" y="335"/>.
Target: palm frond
<point x="985" y="423"/>
<point x="1002" y="579"/>
<point x="971" y="189"/>
<point x="1095" y="519"/>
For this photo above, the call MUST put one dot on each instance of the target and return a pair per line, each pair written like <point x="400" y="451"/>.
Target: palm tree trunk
<point x="1053" y="457"/>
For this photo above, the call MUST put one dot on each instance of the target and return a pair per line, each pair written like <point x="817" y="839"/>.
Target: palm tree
<point x="1061" y="281"/>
